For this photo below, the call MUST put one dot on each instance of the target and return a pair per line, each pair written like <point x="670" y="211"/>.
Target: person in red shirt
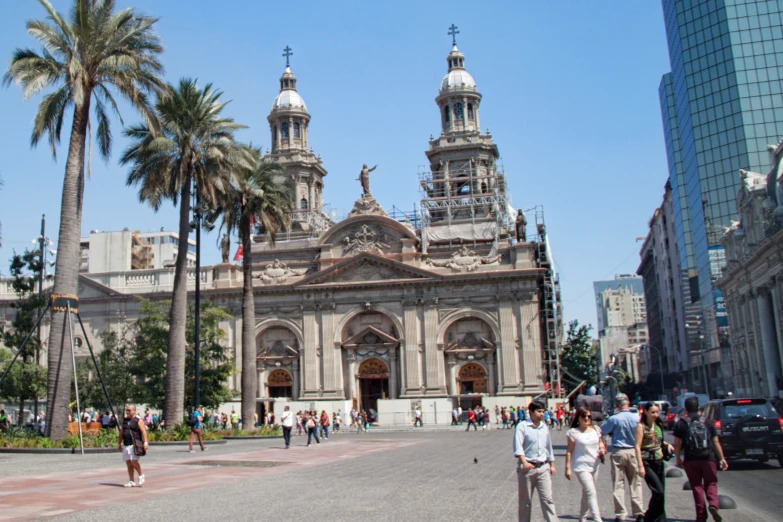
<point x="472" y="420"/>
<point x="560" y="418"/>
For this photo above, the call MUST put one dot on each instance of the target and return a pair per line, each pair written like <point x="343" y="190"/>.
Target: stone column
<point x="769" y="342"/>
<point x="464" y="113"/>
<point x="508" y="349"/>
<point x="350" y="382"/>
<point x="295" y="392"/>
<point x="327" y="343"/>
<point x="411" y="354"/>
<point x="476" y="112"/>
<point x="530" y="333"/>
<point x="311" y="201"/>
<point x="491" y="374"/>
<point x="290" y="132"/>
<point x="310" y="370"/>
<point x="435" y="371"/>
<point x="393" y="373"/>
<point x="451" y="365"/>
<point x="261" y="389"/>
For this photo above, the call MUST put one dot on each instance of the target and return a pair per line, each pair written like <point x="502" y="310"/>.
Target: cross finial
<point x="453" y="32"/>
<point x="287" y="52"/>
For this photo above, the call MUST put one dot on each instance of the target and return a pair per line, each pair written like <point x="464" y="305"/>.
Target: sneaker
<point x="204" y="448"/>
<point x="130" y="484"/>
<point x="190" y="451"/>
<point x="715" y="515"/>
<point x="307" y="446"/>
<point x="141" y="480"/>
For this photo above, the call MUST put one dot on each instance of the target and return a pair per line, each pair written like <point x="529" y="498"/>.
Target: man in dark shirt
<point x="702" y="470"/>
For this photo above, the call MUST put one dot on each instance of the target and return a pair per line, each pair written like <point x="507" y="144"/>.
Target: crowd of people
<point x="638" y="453"/>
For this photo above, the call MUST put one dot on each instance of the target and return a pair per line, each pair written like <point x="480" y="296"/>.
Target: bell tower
<point x="464" y="193"/>
<point x="289" y="124"/>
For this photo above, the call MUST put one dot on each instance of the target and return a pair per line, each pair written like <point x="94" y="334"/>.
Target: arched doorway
<point x="373" y="383"/>
<point x="472" y="379"/>
<point x="280" y="383"/>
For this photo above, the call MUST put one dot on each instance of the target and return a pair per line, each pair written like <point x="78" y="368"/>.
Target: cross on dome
<point x="287" y="53"/>
<point x="453" y="33"/>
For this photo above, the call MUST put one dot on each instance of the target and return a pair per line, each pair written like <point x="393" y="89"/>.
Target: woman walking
<point x="585" y="449"/>
<point x="649" y="446"/>
<point x="311" y="419"/>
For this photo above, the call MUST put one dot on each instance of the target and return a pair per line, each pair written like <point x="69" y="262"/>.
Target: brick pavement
<point x="382" y="476"/>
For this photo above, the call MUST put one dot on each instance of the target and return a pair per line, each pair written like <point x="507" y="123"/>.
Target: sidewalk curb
<point x="57" y="451"/>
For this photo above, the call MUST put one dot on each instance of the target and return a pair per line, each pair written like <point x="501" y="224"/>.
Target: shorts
<point x="128" y="454"/>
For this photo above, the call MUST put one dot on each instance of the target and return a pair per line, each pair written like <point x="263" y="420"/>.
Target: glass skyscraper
<point x="721" y="105"/>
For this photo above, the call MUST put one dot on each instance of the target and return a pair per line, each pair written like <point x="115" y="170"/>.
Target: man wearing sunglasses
<point x="132" y="428"/>
<point x="536" y="463"/>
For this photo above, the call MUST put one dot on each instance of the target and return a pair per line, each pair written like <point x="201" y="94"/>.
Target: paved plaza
<point x="384" y="475"/>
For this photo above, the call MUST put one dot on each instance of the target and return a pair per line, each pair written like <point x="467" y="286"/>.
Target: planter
<point x="254" y="437"/>
<point x="185" y="442"/>
<point x="60" y="451"/>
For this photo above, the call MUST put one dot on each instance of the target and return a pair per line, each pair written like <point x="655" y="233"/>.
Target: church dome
<point x="289" y="98"/>
<point x="457" y="79"/>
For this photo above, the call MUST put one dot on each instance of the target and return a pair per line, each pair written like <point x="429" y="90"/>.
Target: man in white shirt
<point x="459" y="414"/>
<point x="418" y="418"/>
<point x="533" y="450"/>
<point x="287" y="422"/>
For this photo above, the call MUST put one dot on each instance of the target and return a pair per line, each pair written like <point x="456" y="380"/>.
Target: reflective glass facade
<point x="721" y="105"/>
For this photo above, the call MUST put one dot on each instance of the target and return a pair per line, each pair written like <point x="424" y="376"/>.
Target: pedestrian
<point x="132" y="429"/>
<point x="324" y="425"/>
<point x="649" y="446"/>
<point x="583" y="455"/>
<point x="497" y="414"/>
<point x="105" y="421"/>
<point x="512" y="416"/>
<point x="224" y="420"/>
<point x="533" y="451"/>
<point x="255" y="420"/>
<point x="454" y="418"/>
<point x="417" y="414"/>
<point x="487" y="420"/>
<point x="471" y="420"/>
<point x="197" y="424"/>
<point x="287" y="421"/>
<point x="3" y="421"/>
<point x="147" y="418"/>
<point x="311" y="422"/>
<point x="479" y="416"/>
<point x="299" y="423"/>
<point x="504" y="416"/>
<point x="459" y="414"/>
<point x="561" y="415"/>
<point x="234" y="419"/>
<point x="703" y="455"/>
<point x="364" y="420"/>
<point x="625" y="466"/>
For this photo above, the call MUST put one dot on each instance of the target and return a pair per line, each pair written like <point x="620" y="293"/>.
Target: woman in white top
<point x="585" y="449"/>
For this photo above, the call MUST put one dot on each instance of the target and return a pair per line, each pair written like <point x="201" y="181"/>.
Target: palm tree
<point x="195" y="145"/>
<point x="1" y="225"/>
<point x="85" y="58"/>
<point x="260" y="193"/>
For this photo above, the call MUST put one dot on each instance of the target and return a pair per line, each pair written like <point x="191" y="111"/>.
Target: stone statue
<point x="364" y="179"/>
<point x="520" y="225"/>
<point x="225" y="248"/>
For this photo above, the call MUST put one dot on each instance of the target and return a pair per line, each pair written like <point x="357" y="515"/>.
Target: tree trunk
<point x="175" y="361"/>
<point x="249" y="373"/>
<point x="66" y="277"/>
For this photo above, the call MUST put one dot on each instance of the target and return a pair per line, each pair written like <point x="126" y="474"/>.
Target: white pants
<point x="536" y="479"/>
<point x="589" y="495"/>
<point x="128" y="454"/>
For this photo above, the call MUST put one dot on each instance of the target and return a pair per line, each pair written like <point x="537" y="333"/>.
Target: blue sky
<point x="570" y="97"/>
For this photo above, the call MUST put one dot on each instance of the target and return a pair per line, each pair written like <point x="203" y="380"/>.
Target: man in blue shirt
<point x="195" y="429"/>
<point x="622" y="426"/>
<point x="533" y="451"/>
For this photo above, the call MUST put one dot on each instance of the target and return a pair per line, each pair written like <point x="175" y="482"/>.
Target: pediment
<point x="91" y="289"/>
<point x="371" y="336"/>
<point x="366" y="268"/>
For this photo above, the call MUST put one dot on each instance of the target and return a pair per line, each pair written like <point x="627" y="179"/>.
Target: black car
<point x="747" y="428"/>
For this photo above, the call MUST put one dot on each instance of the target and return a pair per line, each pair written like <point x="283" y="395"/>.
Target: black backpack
<point x="698" y="443"/>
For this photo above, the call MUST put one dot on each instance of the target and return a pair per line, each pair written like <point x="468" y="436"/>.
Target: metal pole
<point x="41" y="242"/>
<point x="75" y="379"/>
<point x="197" y="398"/>
<point x="97" y="369"/>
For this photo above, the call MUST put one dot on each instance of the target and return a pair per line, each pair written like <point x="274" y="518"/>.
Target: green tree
<point x="26" y="379"/>
<point x="86" y="57"/>
<point x="215" y="365"/>
<point x="260" y="193"/>
<point x="576" y="355"/>
<point x="195" y="145"/>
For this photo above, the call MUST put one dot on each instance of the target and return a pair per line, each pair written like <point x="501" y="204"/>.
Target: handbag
<point x="138" y="445"/>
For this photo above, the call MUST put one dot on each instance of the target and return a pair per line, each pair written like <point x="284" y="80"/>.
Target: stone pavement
<point x="380" y="476"/>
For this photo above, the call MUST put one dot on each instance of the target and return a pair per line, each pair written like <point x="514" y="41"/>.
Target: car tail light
<point x="780" y="422"/>
<point x="670" y="416"/>
<point x="717" y="427"/>
<point x="744" y="401"/>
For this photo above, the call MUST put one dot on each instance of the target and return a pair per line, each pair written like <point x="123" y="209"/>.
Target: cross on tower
<point x="453" y="33"/>
<point x="287" y="52"/>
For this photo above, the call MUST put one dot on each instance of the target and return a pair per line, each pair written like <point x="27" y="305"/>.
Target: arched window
<point x="285" y="131"/>
<point x="274" y="134"/>
<point x="446" y="113"/>
<point x="470" y="111"/>
<point x="457" y="111"/>
<point x="296" y="130"/>
<point x="303" y="204"/>
<point x="285" y="83"/>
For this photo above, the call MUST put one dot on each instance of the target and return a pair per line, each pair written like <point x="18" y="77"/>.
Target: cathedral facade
<point x="457" y="303"/>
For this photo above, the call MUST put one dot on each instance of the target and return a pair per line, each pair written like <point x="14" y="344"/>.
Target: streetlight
<point x="43" y="242"/>
<point x="660" y="366"/>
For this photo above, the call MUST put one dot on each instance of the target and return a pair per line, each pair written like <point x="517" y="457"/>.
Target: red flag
<point x="238" y="255"/>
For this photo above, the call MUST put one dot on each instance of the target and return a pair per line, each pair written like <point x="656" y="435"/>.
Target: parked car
<point x="673" y="415"/>
<point x="747" y="428"/>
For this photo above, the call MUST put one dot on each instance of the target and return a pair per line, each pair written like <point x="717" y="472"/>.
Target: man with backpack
<point x="703" y="455"/>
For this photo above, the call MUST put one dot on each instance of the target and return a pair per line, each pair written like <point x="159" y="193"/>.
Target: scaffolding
<point x="305" y="224"/>
<point x="411" y="218"/>
<point x="141" y="255"/>
<point x="464" y="194"/>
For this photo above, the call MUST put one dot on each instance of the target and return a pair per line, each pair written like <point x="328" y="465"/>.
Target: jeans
<point x="325" y="431"/>
<point x="589" y="494"/>
<point x="624" y="469"/>
<point x="473" y="423"/>
<point x="656" y="481"/>
<point x="287" y="435"/>
<point x="539" y="479"/>
<point x="196" y="433"/>
<point x="703" y="476"/>
<point x="454" y="421"/>
<point x="417" y="421"/>
<point x="312" y="432"/>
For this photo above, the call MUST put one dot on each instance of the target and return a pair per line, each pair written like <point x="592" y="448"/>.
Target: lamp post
<point x="43" y="242"/>
<point x="660" y="366"/>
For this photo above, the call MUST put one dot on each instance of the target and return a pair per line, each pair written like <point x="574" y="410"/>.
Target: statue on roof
<point x="225" y="248"/>
<point x="520" y="226"/>
<point x="364" y="179"/>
